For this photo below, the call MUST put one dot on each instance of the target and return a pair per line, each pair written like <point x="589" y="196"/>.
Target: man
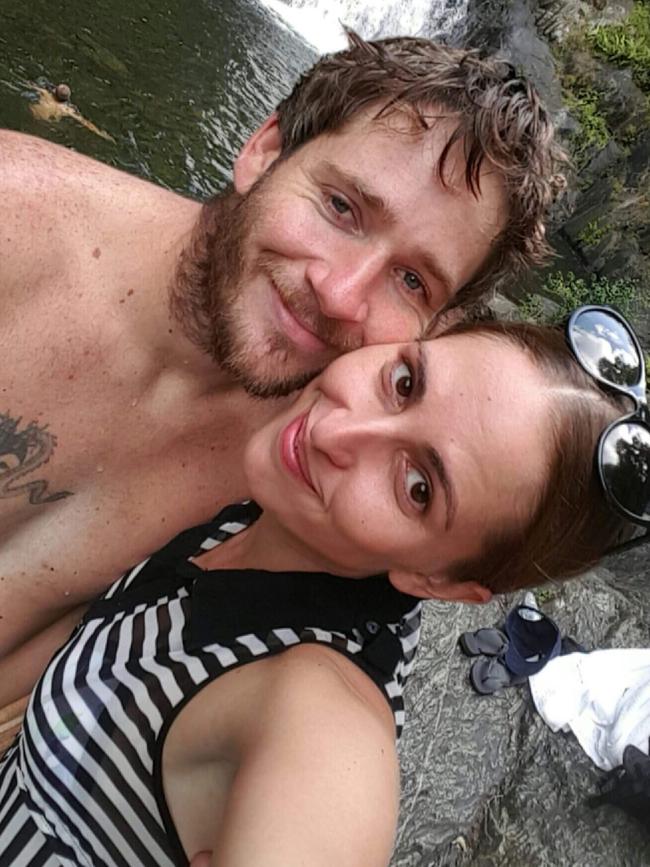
<point x="139" y="327"/>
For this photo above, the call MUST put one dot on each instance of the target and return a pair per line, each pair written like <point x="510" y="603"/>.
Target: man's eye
<point x="417" y="488"/>
<point x="412" y="282"/>
<point x="401" y="379"/>
<point x="339" y="205"/>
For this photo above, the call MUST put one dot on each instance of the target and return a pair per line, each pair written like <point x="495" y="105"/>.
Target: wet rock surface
<point x="601" y="227"/>
<point x="485" y="781"/>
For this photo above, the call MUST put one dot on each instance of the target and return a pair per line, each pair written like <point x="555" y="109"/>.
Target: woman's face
<point x="406" y="457"/>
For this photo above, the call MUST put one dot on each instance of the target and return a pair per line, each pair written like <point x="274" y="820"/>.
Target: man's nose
<point x="344" y="436"/>
<point x="345" y="285"/>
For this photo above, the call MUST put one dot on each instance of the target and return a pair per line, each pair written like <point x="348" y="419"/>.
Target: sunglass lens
<point x="625" y="467"/>
<point x="606" y="348"/>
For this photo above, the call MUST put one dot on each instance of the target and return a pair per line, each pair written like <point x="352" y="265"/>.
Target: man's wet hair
<point x="500" y="120"/>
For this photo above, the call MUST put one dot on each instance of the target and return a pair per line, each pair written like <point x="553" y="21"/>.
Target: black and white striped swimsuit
<point x="81" y="785"/>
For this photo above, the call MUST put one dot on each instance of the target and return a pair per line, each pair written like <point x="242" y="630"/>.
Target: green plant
<point x="618" y="187"/>
<point x="547" y="593"/>
<point x="627" y="43"/>
<point x="570" y="292"/>
<point x="583" y="103"/>
<point x="592" y="233"/>
<point x="532" y="307"/>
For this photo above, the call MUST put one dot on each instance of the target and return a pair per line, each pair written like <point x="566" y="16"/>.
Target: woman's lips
<point x="292" y="450"/>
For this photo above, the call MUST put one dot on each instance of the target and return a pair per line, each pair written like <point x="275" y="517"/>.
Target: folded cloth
<point x="603" y="697"/>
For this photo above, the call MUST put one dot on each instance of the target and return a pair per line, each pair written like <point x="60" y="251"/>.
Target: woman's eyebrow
<point x="437" y="468"/>
<point x="420" y="384"/>
<point x="432" y="455"/>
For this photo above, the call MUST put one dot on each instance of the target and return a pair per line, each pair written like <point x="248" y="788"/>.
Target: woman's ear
<point x="258" y="153"/>
<point x="439" y="586"/>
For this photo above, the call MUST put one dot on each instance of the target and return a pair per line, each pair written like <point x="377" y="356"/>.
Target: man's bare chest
<point x="98" y="468"/>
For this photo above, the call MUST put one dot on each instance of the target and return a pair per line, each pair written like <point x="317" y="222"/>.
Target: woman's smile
<point x="293" y="451"/>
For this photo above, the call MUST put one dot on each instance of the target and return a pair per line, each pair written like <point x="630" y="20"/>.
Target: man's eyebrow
<point x="376" y="203"/>
<point x="373" y="200"/>
<point x="449" y="284"/>
<point x="432" y="455"/>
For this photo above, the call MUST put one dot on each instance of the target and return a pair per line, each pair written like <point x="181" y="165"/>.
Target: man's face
<point x="352" y="240"/>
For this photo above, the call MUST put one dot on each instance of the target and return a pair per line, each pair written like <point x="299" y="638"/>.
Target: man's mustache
<point x="303" y="304"/>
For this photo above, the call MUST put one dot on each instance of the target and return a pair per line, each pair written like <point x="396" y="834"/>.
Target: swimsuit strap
<point x="158" y="575"/>
<point x="227" y="604"/>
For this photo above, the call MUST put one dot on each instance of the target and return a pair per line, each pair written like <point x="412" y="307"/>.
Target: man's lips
<point x="292" y="450"/>
<point x="296" y="330"/>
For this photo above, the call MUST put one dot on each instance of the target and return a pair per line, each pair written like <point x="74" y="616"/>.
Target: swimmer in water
<point x="53" y="104"/>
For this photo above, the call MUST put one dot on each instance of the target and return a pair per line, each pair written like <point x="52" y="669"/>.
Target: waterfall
<point x="319" y="21"/>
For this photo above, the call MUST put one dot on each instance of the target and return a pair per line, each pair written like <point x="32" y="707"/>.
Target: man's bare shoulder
<point x="36" y="162"/>
<point x="53" y="201"/>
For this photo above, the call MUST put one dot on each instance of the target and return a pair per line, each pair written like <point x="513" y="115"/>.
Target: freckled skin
<point x="147" y="430"/>
<point x="138" y="464"/>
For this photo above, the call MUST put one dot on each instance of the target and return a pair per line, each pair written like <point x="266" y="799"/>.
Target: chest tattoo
<point x="22" y="452"/>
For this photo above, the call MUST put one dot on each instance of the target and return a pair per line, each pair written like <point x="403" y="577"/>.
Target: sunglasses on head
<point x="605" y="345"/>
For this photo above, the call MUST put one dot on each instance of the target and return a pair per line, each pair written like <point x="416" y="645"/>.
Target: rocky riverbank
<point x="601" y="105"/>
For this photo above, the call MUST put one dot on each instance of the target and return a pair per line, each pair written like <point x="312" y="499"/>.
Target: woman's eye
<point x="417" y="487"/>
<point x="401" y="379"/>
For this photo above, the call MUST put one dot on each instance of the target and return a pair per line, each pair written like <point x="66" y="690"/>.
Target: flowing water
<point x="319" y="21"/>
<point x="177" y="85"/>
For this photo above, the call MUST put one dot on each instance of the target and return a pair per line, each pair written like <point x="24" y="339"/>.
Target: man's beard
<point x="206" y="296"/>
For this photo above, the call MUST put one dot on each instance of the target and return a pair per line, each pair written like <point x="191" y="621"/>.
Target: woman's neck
<point x="266" y="545"/>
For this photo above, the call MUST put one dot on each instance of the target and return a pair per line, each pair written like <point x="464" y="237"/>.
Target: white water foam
<point x="319" y="21"/>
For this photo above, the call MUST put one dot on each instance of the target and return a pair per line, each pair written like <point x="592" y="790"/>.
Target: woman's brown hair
<point x="571" y="525"/>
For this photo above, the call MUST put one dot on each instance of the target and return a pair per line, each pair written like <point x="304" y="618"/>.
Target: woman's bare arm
<point x="318" y="778"/>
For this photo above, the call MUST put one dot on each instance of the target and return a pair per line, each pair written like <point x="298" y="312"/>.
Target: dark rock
<point x="503" y="308"/>
<point x="509" y="27"/>
<point x="593" y="205"/>
<point x="485" y="781"/>
<point x="614" y="260"/>
<point x="527" y="51"/>
<point x="610" y="155"/>
<point x="644" y="241"/>
<point x="624" y="103"/>
<point x="638" y="163"/>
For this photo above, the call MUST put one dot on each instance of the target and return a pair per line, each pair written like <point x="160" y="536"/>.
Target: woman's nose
<point x="343" y="436"/>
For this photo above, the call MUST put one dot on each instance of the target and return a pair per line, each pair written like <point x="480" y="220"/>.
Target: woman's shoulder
<point x="302" y="680"/>
<point x="311" y="741"/>
<point x="319" y="672"/>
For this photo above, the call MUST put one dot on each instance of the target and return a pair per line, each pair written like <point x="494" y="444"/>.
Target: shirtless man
<point x="139" y="327"/>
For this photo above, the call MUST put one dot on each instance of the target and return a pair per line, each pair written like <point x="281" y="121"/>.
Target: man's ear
<point x="258" y="153"/>
<point x="439" y="586"/>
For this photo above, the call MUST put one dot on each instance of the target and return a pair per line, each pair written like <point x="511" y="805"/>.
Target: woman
<point x="207" y="711"/>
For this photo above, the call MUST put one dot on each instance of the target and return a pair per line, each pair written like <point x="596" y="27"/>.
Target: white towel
<point x="603" y="697"/>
